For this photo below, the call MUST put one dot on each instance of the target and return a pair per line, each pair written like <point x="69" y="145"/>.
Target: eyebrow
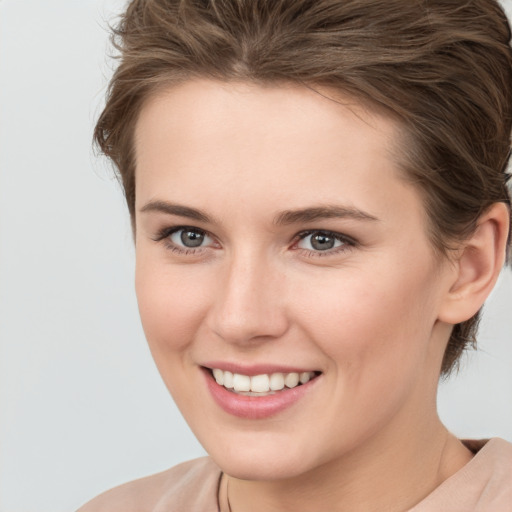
<point x="313" y="214"/>
<point x="304" y="215"/>
<point x="175" y="209"/>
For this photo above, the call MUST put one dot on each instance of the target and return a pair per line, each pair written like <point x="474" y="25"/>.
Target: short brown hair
<point x="443" y="68"/>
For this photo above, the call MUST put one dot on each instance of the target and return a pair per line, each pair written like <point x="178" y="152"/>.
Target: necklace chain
<point x="227" y="495"/>
<point x="220" y="501"/>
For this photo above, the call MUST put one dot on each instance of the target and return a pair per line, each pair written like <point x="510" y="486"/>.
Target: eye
<point x="185" y="239"/>
<point x="190" y="238"/>
<point x="323" y="241"/>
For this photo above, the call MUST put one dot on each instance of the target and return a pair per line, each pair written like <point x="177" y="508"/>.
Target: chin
<point x="265" y="457"/>
<point x="260" y="469"/>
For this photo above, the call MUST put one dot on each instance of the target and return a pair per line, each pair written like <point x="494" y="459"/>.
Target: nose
<point x="249" y="305"/>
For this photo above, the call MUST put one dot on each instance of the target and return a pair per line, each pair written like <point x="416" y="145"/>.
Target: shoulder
<point x="496" y="458"/>
<point x="483" y="484"/>
<point x="192" y="484"/>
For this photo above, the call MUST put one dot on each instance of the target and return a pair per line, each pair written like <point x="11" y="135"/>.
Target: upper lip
<point x="254" y="369"/>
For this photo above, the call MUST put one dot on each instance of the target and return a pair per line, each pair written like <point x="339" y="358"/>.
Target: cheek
<point x="374" y="326"/>
<point x="375" y="333"/>
<point x="171" y="305"/>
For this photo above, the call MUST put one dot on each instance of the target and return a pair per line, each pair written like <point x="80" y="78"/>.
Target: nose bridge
<point x="248" y="304"/>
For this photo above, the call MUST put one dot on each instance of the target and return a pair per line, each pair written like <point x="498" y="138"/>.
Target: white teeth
<point x="260" y="383"/>
<point x="304" y="377"/>
<point x="228" y="380"/>
<point x="291" y="380"/>
<point x="219" y="376"/>
<point x="241" y="382"/>
<point x="276" y="381"/>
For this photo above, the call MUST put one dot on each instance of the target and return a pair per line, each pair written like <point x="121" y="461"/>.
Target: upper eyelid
<point x="335" y="234"/>
<point x="166" y="232"/>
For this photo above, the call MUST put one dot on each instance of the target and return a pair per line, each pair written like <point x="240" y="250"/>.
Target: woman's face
<point x="274" y="235"/>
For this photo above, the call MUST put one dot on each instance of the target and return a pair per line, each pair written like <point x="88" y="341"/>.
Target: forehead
<point x="287" y="144"/>
<point x="294" y="110"/>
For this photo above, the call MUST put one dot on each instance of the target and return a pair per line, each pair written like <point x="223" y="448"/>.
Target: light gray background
<point x="82" y="407"/>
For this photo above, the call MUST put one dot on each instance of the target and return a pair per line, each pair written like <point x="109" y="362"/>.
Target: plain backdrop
<point x="82" y="407"/>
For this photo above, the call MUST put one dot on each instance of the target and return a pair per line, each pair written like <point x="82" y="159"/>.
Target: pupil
<point x="322" y="242"/>
<point x="192" y="238"/>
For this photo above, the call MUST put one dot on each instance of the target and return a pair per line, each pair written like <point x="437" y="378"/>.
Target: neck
<point x="387" y="473"/>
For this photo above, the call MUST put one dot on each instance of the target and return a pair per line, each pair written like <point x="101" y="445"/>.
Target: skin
<point x="373" y="314"/>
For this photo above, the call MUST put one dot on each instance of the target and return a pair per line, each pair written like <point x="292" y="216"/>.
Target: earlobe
<point x="478" y="266"/>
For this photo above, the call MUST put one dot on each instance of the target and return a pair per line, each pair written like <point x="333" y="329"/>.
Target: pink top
<point x="482" y="485"/>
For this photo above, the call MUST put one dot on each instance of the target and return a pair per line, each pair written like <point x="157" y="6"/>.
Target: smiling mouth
<point x="261" y="385"/>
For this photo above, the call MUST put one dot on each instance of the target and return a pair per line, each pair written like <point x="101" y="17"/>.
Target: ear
<point x="478" y="266"/>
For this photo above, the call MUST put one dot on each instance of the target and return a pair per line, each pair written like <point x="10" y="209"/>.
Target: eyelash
<point x="347" y="242"/>
<point x="165" y="234"/>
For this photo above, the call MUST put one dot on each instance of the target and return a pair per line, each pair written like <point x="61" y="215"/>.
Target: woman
<point x="320" y="209"/>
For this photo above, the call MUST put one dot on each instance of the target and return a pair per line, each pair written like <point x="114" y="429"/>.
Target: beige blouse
<point x="482" y="485"/>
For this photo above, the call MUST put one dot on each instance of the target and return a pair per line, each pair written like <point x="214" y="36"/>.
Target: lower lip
<point x="255" y="407"/>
